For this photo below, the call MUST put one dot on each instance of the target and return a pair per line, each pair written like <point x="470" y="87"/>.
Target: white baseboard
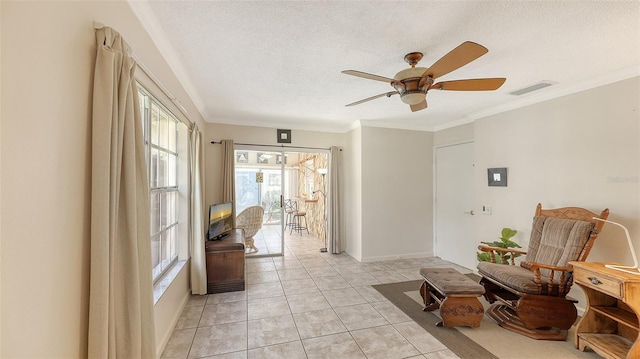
<point x="397" y="256"/>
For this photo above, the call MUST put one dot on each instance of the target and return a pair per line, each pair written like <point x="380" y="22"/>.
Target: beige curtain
<point x="336" y="229"/>
<point x="198" y="259"/>
<point x="121" y="323"/>
<point x="228" y="173"/>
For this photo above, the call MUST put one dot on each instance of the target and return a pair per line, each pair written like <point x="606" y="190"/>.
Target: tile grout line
<point x="301" y="257"/>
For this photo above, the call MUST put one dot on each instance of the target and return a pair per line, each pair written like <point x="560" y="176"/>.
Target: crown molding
<point x="547" y="94"/>
<point x="145" y="15"/>
<point x="395" y="125"/>
<point x="449" y="124"/>
<point x="553" y="92"/>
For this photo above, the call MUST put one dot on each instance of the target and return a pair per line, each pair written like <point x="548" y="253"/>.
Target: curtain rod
<point x="164" y="90"/>
<point x="281" y="145"/>
<point x="98" y="25"/>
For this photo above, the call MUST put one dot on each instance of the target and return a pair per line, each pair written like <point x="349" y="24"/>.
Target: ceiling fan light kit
<point x="407" y="81"/>
<point x="412" y="84"/>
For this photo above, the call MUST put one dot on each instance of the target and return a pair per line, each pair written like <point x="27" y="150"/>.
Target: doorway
<point x="454" y="240"/>
<point x="271" y="178"/>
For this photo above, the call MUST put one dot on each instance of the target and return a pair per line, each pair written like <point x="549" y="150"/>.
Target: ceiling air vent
<point x="538" y="86"/>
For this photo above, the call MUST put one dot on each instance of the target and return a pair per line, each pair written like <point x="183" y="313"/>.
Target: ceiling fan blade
<point x="368" y="76"/>
<point x="388" y="94"/>
<point x="470" y="85"/>
<point x="456" y="58"/>
<point x="419" y="106"/>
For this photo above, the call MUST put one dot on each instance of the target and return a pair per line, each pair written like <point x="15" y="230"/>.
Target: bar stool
<point x="290" y="208"/>
<point x="298" y="215"/>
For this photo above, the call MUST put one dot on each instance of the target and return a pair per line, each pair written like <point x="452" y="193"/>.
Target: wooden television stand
<point x="225" y="263"/>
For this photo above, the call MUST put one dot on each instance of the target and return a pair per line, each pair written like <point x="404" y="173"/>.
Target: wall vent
<point x="538" y="86"/>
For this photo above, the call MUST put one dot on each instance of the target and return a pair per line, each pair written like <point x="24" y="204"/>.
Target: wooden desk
<point x="225" y="263"/>
<point x="610" y="323"/>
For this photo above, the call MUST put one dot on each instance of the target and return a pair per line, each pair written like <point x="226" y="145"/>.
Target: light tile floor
<point x="307" y="304"/>
<point x="268" y="240"/>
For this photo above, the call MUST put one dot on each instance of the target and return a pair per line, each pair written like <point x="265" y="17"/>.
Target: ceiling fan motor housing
<point x="408" y="85"/>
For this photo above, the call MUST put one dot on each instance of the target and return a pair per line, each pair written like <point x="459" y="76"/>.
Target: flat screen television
<point x="220" y="220"/>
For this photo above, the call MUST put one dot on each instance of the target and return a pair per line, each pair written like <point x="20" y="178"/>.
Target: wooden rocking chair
<point x="533" y="296"/>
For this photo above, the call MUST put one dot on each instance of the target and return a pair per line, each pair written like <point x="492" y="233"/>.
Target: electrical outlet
<point x="486" y="209"/>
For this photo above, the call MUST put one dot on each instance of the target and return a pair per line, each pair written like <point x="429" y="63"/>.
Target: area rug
<point x="457" y="342"/>
<point x="489" y="341"/>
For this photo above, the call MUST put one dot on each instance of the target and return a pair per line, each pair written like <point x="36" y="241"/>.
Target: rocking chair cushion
<point x="450" y="281"/>
<point x="556" y="241"/>
<point x="515" y="277"/>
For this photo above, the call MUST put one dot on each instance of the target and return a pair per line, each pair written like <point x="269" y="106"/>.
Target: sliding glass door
<point x="260" y="182"/>
<point x="272" y="178"/>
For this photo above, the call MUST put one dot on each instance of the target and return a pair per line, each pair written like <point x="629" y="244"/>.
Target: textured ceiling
<point x="278" y="63"/>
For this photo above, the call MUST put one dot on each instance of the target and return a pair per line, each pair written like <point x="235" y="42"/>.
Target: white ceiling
<point x="278" y="63"/>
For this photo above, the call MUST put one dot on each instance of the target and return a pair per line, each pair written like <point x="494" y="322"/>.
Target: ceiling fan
<point x="412" y="84"/>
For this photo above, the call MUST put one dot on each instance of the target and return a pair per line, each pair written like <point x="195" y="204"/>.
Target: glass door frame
<point x="278" y="151"/>
<point x="283" y="151"/>
<point x="308" y="192"/>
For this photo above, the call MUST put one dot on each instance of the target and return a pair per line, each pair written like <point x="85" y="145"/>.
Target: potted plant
<point x="505" y="242"/>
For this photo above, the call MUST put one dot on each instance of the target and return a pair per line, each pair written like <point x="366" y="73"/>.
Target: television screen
<point x="220" y="220"/>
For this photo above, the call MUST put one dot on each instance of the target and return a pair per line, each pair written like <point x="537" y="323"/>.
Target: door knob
<point x="470" y="212"/>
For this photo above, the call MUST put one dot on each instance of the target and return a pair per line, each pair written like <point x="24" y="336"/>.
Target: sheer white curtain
<point x="121" y="323"/>
<point x="198" y="258"/>
<point x="228" y="173"/>
<point x="336" y="230"/>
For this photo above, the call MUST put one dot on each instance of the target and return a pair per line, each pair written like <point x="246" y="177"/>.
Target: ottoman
<point x="455" y="294"/>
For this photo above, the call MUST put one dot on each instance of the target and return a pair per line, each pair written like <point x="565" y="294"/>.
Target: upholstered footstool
<point x="455" y="294"/>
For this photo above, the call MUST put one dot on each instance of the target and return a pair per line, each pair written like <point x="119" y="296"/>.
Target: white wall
<point x="48" y="51"/>
<point x="570" y="151"/>
<point x="578" y="150"/>
<point x="397" y="193"/>
<point x="452" y="135"/>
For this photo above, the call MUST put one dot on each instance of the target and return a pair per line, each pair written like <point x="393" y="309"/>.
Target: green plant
<point x="505" y="242"/>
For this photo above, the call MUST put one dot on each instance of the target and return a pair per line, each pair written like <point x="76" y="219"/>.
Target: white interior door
<point x="454" y="240"/>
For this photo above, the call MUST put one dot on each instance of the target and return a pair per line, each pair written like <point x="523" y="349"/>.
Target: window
<point x="162" y="151"/>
